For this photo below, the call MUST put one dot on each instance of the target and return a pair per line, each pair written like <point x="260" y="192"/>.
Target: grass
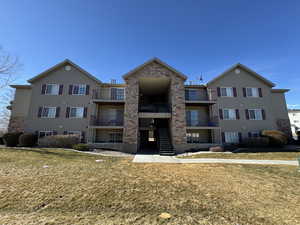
<point x="75" y="189"/>
<point x="269" y="155"/>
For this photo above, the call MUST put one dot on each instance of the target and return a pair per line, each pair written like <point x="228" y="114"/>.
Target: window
<point x="191" y="94"/>
<point x="252" y="92"/>
<point x="254" y="134"/>
<point x="76" y="112"/>
<point x="115" y="137"/>
<point x="231" y="137"/>
<point x="192" y="117"/>
<point x="45" y="133"/>
<point x="52" y="89"/>
<point x="226" y="91"/>
<point x="255" y="114"/>
<point x="193" y="138"/>
<point x="79" y="89"/>
<point x="117" y="93"/>
<point x="229" y="114"/>
<point x="296" y="121"/>
<point x="48" y="112"/>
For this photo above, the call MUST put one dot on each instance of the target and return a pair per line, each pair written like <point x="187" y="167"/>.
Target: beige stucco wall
<point x="61" y="124"/>
<point x="273" y="104"/>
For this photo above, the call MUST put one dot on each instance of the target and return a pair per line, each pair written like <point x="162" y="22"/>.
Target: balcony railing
<point x="155" y="108"/>
<point x="95" y="121"/>
<point x="109" y="94"/>
<point x="210" y="95"/>
<point x="193" y="123"/>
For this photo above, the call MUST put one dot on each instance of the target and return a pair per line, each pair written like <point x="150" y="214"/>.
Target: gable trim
<point x="253" y="73"/>
<point x="131" y="72"/>
<point x="66" y="61"/>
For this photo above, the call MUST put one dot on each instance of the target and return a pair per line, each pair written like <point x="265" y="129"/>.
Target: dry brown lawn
<point x="265" y="155"/>
<point x="75" y="189"/>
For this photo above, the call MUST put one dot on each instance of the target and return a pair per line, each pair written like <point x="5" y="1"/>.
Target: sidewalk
<point x="173" y="159"/>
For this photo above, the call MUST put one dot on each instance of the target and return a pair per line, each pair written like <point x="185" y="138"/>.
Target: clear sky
<point x="109" y="38"/>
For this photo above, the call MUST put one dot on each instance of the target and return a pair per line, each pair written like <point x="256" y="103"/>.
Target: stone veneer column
<point x="178" y="121"/>
<point x="16" y="124"/>
<point x="131" y="121"/>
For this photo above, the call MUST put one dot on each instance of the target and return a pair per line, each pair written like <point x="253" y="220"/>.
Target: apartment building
<point x="154" y="110"/>
<point x="294" y="115"/>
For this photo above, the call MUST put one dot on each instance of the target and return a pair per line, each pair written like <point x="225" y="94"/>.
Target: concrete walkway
<point x="173" y="159"/>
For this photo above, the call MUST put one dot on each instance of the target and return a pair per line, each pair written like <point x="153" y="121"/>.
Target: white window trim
<point x="85" y="85"/>
<point x="76" y="117"/>
<point x="48" y="114"/>
<point x="51" y="93"/>
<point x="255" y="118"/>
<point x="236" y="134"/>
<point x="45" y="131"/>
<point x="234" y="110"/>
<point x="226" y="92"/>
<point x="192" y="135"/>
<point x="118" y="88"/>
<point x="252" y="96"/>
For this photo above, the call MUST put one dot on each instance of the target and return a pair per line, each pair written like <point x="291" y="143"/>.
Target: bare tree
<point x="9" y="65"/>
<point x="5" y="103"/>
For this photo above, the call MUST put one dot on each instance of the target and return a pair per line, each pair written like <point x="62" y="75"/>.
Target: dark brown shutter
<point x="54" y="132"/>
<point x="237" y="114"/>
<point x="65" y="132"/>
<point x="43" y="89"/>
<point x="82" y="137"/>
<point x="244" y="92"/>
<point x="260" y="92"/>
<point x="61" y="87"/>
<point x="70" y="89"/>
<point x="223" y="137"/>
<point x="68" y="112"/>
<point x="40" y="112"/>
<point x="234" y="92"/>
<point x="263" y="114"/>
<point x="57" y="112"/>
<point x="249" y="134"/>
<point x="85" y="112"/>
<point x="221" y="113"/>
<point x="87" y="90"/>
<point x="240" y="137"/>
<point x="247" y="114"/>
<point x="219" y="91"/>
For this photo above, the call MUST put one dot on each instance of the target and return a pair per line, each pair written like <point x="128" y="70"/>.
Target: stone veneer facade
<point x="131" y="121"/>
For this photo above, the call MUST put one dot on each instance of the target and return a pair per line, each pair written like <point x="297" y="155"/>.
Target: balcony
<point x="155" y="111"/>
<point x="113" y="95"/>
<point x="193" y="124"/>
<point x="96" y="122"/>
<point x="194" y="96"/>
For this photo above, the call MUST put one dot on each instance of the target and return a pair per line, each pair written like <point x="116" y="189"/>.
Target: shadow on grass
<point x="265" y="150"/>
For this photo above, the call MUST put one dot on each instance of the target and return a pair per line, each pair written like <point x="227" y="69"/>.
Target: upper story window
<point x="191" y="94"/>
<point x="192" y="117"/>
<point x="229" y="114"/>
<point x="231" y="137"/>
<point x="255" y="114"/>
<point x="117" y="93"/>
<point x="48" y="112"/>
<point x="79" y="89"/>
<point x="252" y="92"/>
<point x="226" y="91"/>
<point x="52" y="89"/>
<point x="45" y="133"/>
<point x="76" y="112"/>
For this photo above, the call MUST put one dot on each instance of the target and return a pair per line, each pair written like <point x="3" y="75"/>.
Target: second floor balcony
<point x="200" y="96"/>
<point x="202" y="124"/>
<point x="99" y="122"/>
<point x="155" y="108"/>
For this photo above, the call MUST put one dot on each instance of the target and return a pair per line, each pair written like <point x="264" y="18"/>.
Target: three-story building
<point x="153" y="110"/>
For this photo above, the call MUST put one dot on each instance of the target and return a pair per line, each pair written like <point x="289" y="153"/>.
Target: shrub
<point x="1" y="141"/>
<point x="255" y="142"/>
<point x="276" y="137"/>
<point x="11" y="139"/>
<point x="59" y="141"/>
<point x="27" y="140"/>
<point x="81" y="147"/>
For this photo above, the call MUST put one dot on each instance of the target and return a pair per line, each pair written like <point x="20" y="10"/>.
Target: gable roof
<point x="253" y="73"/>
<point x="66" y="61"/>
<point x="156" y="60"/>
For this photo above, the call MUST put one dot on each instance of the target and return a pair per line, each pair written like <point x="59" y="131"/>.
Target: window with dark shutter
<point x="43" y="89"/>
<point x="221" y="113"/>
<point x="57" y="112"/>
<point x="40" y="112"/>
<point x="244" y="92"/>
<point x="263" y="113"/>
<point x="240" y="137"/>
<point x="61" y="87"/>
<point x="234" y="92"/>
<point x="237" y="114"/>
<point x="247" y="114"/>
<point x="68" y="112"/>
<point x="85" y="112"/>
<point x="87" y="90"/>
<point x="219" y="91"/>
<point x="70" y="89"/>
<point x="260" y="92"/>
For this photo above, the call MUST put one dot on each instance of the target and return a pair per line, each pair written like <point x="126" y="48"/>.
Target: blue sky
<point x="109" y="38"/>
